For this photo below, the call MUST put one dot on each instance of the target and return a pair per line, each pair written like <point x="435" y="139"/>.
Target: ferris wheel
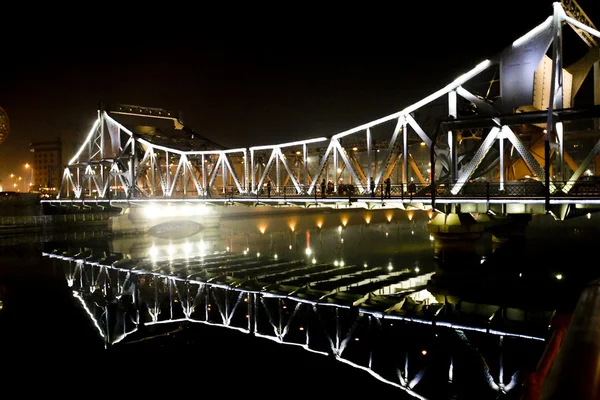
<point x="4" y="125"/>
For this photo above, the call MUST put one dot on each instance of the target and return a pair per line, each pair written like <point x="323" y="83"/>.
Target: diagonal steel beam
<point x="321" y="166"/>
<point x="215" y="171"/>
<point x="582" y="167"/>
<point x="411" y="121"/>
<point x="482" y="105"/>
<point x="468" y="169"/>
<point x="289" y="171"/>
<point x="523" y="151"/>
<point x="227" y="164"/>
<point x="266" y="170"/>
<point x="344" y="156"/>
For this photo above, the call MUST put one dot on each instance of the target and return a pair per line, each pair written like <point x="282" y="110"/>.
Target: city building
<point x="47" y="165"/>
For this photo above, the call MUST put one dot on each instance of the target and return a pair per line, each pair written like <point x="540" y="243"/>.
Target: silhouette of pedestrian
<point x="269" y="188"/>
<point x="372" y="188"/>
<point x="323" y="185"/>
<point x="388" y="188"/>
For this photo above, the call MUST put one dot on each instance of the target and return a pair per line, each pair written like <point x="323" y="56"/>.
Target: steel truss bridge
<point x="352" y="313"/>
<point x="521" y="133"/>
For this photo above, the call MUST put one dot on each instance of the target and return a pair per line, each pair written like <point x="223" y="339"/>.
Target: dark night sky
<point x="258" y="76"/>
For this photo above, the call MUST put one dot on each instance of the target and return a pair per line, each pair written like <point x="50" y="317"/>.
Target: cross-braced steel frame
<point x="363" y="338"/>
<point x="138" y="168"/>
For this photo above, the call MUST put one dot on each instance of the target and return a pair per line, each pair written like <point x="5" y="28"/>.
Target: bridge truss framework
<point x="136" y="168"/>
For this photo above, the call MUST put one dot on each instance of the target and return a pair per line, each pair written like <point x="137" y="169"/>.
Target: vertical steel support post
<point x="452" y="111"/>
<point x="405" y="155"/>
<point x="369" y="156"/>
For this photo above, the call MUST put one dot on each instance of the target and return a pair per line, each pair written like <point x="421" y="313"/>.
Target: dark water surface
<point x="45" y="330"/>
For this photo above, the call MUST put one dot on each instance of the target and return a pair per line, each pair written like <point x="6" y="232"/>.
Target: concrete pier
<point x="455" y="236"/>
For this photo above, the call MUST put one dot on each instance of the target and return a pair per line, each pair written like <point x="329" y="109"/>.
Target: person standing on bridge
<point x="269" y="187"/>
<point x="372" y="187"/>
<point x="323" y="187"/>
<point x="388" y="188"/>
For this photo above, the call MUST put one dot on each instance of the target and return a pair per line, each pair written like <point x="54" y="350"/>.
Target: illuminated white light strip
<point x="562" y="201"/>
<point x="500" y="333"/>
<point x="159" y="147"/>
<point x="296" y="143"/>
<point x="401" y="318"/>
<point x="304" y="346"/>
<point x="535" y="31"/>
<point x="87" y="310"/>
<point x="302" y="202"/>
<point x="189" y="153"/>
<point x="118" y="124"/>
<point x="235" y="328"/>
<point x="208" y="152"/>
<point x="581" y="26"/>
<point x="123" y="336"/>
<point x="457" y="82"/>
<point x="368" y="125"/>
<point x="384" y="316"/>
<point x="380" y="378"/>
<point x="145" y="115"/>
<point x="463" y="327"/>
<point x="335" y="305"/>
<point x="378" y="314"/>
<point x="85" y="142"/>
<point x="171" y="150"/>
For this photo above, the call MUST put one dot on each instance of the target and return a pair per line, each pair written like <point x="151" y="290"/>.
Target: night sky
<point x="246" y="76"/>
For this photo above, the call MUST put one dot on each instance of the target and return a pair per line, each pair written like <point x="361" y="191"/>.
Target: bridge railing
<point x="408" y="191"/>
<point x="519" y="189"/>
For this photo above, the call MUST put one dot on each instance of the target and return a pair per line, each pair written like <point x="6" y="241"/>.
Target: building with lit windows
<point x="47" y="165"/>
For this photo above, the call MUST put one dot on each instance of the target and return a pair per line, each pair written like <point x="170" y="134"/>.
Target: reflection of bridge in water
<point x="520" y="134"/>
<point x="381" y="318"/>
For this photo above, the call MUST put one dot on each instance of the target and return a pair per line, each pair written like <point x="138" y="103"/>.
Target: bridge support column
<point x="455" y="237"/>
<point x="504" y="228"/>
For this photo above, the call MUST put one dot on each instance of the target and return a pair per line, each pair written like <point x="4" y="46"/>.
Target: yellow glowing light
<point x="410" y="215"/>
<point x="430" y="214"/>
<point x="345" y="221"/>
<point x="292" y="227"/>
<point x="389" y="217"/>
<point x="368" y="219"/>
<point x="262" y="229"/>
<point x="355" y="149"/>
<point x="424" y="352"/>
<point x="423" y="143"/>
<point x="319" y="224"/>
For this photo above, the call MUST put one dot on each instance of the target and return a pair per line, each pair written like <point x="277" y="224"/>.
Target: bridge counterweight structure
<point x="118" y="162"/>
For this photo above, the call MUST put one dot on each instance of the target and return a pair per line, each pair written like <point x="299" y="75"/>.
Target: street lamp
<point x="29" y="167"/>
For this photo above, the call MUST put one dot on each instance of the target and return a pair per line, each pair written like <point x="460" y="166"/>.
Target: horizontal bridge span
<point x="502" y="135"/>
